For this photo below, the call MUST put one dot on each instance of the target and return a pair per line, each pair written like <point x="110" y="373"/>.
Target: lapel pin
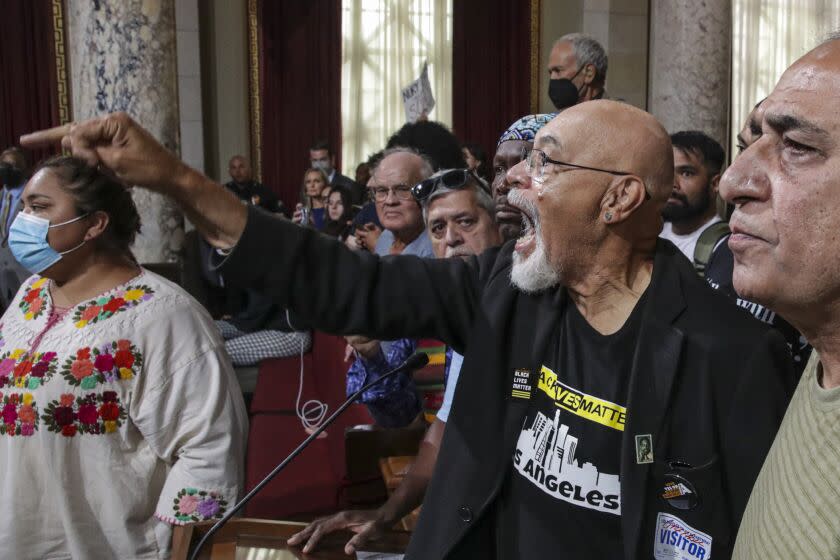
<point x="644" y="449"/>
<point x="679" y="493"/>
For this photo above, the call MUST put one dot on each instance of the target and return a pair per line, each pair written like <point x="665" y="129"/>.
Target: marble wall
<point x="690" y="58"/>
<point x="123" y="58"/>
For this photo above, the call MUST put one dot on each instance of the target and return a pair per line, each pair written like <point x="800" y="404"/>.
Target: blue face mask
<point x="29" y="245"/>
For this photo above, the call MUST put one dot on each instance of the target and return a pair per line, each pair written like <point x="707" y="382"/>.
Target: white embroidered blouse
<point x="115" y="415"/>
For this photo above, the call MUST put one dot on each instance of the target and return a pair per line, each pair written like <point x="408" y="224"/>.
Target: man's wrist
<point x="387" y="517"/>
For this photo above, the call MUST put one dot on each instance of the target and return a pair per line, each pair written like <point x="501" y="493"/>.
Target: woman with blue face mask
<point x="118" y="404"/>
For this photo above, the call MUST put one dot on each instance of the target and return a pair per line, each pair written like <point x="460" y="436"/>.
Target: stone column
<point x="123" y="58"/>
<point x="690" y="59"/>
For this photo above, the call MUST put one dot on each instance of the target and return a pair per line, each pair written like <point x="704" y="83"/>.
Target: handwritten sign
<point x="418" y="98"/>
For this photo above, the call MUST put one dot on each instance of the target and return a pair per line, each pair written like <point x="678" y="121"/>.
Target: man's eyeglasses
<point x="453" y="179"/>
<point x="380" y="194"/>
<point x="535" y="161"/>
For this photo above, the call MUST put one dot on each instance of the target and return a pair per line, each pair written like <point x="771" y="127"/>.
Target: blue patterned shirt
<point x="394" y="402"/>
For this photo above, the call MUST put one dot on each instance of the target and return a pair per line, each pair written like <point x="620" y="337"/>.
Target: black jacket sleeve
<point x="341" y="291"/>
<point x="757" y="407"/>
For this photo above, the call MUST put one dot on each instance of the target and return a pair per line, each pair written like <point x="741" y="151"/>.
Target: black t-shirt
<point x="562" y="498"/>
<point x="719" y="276"/>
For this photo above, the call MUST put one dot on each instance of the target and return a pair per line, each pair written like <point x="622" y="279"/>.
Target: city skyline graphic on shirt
<point x="545" y="456"/>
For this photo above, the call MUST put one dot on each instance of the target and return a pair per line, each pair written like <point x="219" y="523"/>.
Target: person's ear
<point x="714" y="185"/>
<point x="99" y="221"/>
<point x="589" y="74"/>
<point x="623" y="197"/>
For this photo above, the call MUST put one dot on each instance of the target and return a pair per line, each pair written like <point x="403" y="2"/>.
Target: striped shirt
<point x="794" y="509"/>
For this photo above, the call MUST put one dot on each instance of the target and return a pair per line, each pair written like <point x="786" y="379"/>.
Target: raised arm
<point x="129" y="152"/>
<point x="349" y="292"/>
<point x="330" y="286"/>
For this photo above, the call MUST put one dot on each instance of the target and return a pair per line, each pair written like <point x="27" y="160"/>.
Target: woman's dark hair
<point x="433" y="140"/>
<point x="336" y="228"/>
<point x="94" y="191"/>
<point x="478" y="153"/>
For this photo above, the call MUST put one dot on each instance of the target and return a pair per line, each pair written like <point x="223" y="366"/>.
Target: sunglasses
<point x="453" y="179"/>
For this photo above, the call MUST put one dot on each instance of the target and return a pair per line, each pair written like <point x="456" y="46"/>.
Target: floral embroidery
<point x="86" y="414"/>
<point x="19" y="414"/>
<point x="108" y="363"/>
<point x="33" y="303"/>
<point x="192" y="505"/>
<point x="23" y="370"/>
<point x="107" y="306"/>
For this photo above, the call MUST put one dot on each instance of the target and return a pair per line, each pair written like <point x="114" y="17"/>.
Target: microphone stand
<point x="415" y="361"/>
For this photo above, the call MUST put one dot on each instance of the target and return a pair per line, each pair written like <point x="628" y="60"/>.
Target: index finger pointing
<point x="46" y="137"/>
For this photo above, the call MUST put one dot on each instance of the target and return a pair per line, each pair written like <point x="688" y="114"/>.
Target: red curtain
<point x="28" y="91"/>
<point x="300" y="88"/>
<point x="491" y="74"/>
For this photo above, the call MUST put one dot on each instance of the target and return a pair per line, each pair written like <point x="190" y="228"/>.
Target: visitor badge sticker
<point x="677" y="540"/>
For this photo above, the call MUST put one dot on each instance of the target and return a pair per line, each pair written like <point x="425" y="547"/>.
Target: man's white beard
<point x="533" y="273"/>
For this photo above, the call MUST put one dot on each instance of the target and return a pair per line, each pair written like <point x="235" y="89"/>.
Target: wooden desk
<point x="262" y="539"/>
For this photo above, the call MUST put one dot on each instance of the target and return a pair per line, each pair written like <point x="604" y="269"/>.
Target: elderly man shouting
<point x="585" y="343"/>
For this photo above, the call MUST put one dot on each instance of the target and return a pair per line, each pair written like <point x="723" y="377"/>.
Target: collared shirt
<point x="421" y="246"/>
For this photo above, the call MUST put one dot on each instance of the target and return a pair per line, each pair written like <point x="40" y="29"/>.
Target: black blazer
<point x="709" y="383"/>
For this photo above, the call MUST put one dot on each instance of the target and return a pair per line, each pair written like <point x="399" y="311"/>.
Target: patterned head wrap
<point x="526" y="128"/>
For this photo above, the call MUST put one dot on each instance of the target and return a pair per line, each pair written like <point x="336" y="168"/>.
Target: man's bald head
<point x="616" y="136"/>
<point x="400" y="169"/>
<point x="605" y="201"/>
<point x="239" y="169"/>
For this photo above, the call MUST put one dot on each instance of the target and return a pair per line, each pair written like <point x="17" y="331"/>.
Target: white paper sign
<point x="417" y="97"/>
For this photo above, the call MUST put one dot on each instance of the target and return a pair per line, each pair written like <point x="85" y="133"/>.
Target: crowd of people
<point x="613" y="388"/>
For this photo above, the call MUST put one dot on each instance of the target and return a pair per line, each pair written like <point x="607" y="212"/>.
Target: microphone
<point x="415" y="361"/>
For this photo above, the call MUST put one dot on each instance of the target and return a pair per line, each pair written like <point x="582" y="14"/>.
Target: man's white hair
<point x="483" y="198"/>
<point x="426" y="167"/>
<point x="588" y="51"/>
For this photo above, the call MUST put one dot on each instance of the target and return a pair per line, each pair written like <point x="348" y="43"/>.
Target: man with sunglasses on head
<point x="584" y="339"/>
<point x="459" y="216"/>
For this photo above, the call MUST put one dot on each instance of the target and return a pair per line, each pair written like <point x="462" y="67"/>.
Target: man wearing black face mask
<point x="577" y="67"/>
<point x="14" y="172"/>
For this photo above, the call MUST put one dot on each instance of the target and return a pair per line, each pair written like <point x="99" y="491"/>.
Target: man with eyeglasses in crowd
<point x="581" y="341"/>
<point x="394" y="402"/>
<point x="400" y="215"/>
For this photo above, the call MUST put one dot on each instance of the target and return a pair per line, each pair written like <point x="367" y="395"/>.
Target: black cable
<point x="415" y="361"/>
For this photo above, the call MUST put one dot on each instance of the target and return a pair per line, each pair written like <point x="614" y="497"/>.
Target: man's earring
<point x="607" y="216"/>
